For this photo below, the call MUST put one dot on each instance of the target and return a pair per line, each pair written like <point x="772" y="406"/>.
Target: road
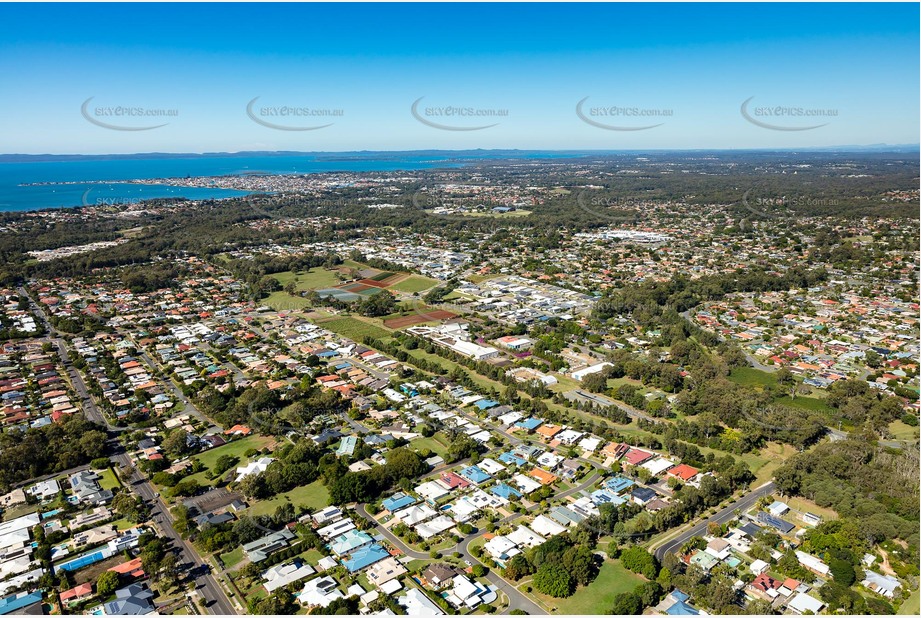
<point x="210" y="590"/>
<point x="728" y="513"/>
<point x="517" y="600"/>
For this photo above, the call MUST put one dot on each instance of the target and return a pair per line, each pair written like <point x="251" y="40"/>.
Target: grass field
<point x="232" y="558"/>
<point x="108" y="480"/>
<point x="313" y="496"/>
<point x="354" y="328"/>
<point x="749" y="376"/>
<point x="912" y="604"/>
<point x="433" y="444"/>
<point x="234" y="449"/>
<point x="282" y="301"/>
<point x="312" y="279"/>
<point x="901" y="431"/>
<point x="598" y="596"/>
<point x="414" y="283"/>
<point x="806" y="403"/>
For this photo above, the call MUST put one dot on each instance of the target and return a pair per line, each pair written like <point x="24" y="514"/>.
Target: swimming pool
<point x="85" y="560"/>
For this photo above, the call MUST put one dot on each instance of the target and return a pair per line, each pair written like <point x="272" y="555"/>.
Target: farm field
<point x="414" y="283"/>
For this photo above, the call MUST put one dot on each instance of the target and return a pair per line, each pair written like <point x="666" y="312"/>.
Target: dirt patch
<point x="410" y="320"/>
<point x="373" y="283"/>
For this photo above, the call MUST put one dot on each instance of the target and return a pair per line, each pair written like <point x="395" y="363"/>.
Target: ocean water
<point x="14" y="196"/>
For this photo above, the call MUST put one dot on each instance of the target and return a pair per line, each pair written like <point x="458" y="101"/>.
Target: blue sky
<point x="693" y="65"/>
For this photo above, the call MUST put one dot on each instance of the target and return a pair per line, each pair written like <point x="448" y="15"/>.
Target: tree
<point x="554" y="580"/>
<point x="107" y="584"/>
<point x="640" y="561"/>
<point x="479" y="570"/>
<point x="626" y="604"/>
<point x="177" y="442"/>
<point x="650" y="593"/>
<point x="518" y="567"/>
<point x="842" y="571"/>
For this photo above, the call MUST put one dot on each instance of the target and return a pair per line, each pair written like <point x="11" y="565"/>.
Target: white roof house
<point x="327" y="515"/>
<point x="384" y="571"/>
<point x="319" y="592"/>
<point x="758" y="567"/>
<point x="340" y="527"/>
<point x="418" y="604"/>
<point x="432" y="490"/>
<point x="578" y="375"/>
<point x="812" y="563"/>
<point x="524" y="536"/>
<point x="569" y="436"/>
<point x="435" y="526"/>
<point x="490" y="466"/>
<point x="501" y="547"/>
<point x="284" y="574"/>
<point x="463" y="510"/>
<point x="778" y="508"/>
<point x="254" y="467"/>
<point x="526" y="484"/>
<point x="415" y="514"/>
<point x="545" y="526"/>
<point x="885" y="585"/>
<point x="391" y="586"/>
<point x="658" y="466"/>
<point x="590" y="444"/>
<point x="802" y="603"/>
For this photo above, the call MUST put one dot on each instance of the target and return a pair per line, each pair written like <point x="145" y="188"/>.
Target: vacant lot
<point x="234" y="449"/>
<point x="423" y="316"/>
<point x="313" y="496"/>
<point x="311" y="279"/>
<point x="354" y="328"/>
<point x="598" y="596"/>
<point x="438" y="444"/>
<point x="282" y="301"/>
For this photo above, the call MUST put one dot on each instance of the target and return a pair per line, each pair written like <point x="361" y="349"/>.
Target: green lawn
<point x="806" y="403"/>
<point x="354" y="329"/>
<point x="912" y="604"/>
<point x="750" y="376"/>
<point x="282" y="301"/>
<point x="313" y="279"/>
<point x="108" y="480"/>
<point x="414" y="283"/>
<point x="234" y="449"/>
<point x="901" y="431"/>
<point x="313" y="496"/>
<point x="232" y="558"/>
<point x="598" y="596"/>
<point x="433" y="444"/>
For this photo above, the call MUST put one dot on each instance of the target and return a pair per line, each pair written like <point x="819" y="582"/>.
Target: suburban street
<point x="517" y="600"/>
<point x="212" y="593"/>
<point x="726" y="514"/>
